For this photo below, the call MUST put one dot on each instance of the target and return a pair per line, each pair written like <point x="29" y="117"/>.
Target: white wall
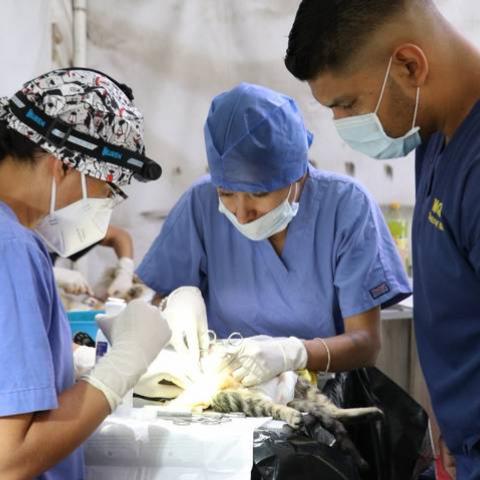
<point x="25" y="42"/>
<point x="177" y="54"/>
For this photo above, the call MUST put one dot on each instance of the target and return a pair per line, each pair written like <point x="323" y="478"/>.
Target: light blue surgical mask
<point x="365" y="133"/>
<point x="267" y="225"/>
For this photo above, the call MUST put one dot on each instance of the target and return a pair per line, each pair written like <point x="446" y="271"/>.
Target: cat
<point x="287" y="397"/>
<point x="307" y="399"/>
<point x="211" y="385"/>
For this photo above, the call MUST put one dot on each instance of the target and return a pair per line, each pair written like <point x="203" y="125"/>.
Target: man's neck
<point x="461" y="89"/>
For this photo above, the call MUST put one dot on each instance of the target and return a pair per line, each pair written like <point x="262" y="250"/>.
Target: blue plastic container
<point x="84" y="321"/>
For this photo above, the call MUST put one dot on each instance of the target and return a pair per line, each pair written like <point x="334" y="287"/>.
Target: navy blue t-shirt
<point x="446" y="261"/>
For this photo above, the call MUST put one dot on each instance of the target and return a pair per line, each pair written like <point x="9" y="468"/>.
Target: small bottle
<point x="113" y="306"/>
<point x="398" y="226"/>
<point x="101" y="345"/>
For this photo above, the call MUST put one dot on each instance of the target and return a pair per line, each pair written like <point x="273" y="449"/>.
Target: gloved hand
<point x="71" y="281"/>
<point x="260" y="359"/>
<point x="136" y="335"/>
<point x="123" y="278"/>
<point x="186" y="315"/>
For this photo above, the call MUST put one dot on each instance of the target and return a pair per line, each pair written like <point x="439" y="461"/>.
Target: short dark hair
<point x="16" y="145"/>
<point x="326" y="34"/>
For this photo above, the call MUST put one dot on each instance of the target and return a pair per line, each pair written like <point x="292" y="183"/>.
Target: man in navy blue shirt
<point x="398" y="77"/>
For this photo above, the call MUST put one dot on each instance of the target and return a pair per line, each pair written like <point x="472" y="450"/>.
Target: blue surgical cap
<point x="256" y="140"/>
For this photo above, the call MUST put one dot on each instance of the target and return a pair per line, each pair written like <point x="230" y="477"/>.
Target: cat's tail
<point x="255" y="405"/>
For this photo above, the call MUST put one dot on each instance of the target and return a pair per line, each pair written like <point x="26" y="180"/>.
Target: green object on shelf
<point x="398" y="226"/>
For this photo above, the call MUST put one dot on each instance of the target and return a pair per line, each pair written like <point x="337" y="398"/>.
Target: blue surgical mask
<point x="267" y="225"/>
<point x="365" y="133"/>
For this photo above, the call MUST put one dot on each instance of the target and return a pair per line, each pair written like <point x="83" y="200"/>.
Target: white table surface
<point x="156" y="449"/>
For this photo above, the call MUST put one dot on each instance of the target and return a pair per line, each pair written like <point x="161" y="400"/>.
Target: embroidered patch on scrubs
<point x="379" y="290"/>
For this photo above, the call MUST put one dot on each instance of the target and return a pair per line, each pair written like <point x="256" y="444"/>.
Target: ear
<point x="410" y="65"/>
<point x="58" y="169"/>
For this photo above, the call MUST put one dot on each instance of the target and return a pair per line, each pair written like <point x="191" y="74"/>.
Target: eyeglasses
<point x="117" y="195"/>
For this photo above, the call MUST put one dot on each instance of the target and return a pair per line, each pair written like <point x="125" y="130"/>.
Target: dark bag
<point x="395" y="448"/>
<point x="279" y="456"/>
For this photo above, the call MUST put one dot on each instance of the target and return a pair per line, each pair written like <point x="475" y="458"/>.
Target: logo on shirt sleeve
<point x="379" y="290"/>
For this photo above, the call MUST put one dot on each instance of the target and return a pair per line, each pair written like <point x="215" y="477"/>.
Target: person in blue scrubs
<point x="398" y="76"/>
<point x="52" y="192"/>
<point x="277" y="247"/>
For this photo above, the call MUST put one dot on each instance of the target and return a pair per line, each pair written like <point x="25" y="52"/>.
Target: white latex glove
<point x="136" y="335"/>
<point x="123" y="278"/>
<point x="261" y="359"/>
<point x="71" y="281"/>
<point x="186" y="315"/>
<point x="83" y="360"/>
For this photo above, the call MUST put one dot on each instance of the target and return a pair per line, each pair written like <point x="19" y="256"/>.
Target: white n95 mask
<point x="77" y="226"/>
<point x="267" y="225"/>
<point x="365" y="133"/>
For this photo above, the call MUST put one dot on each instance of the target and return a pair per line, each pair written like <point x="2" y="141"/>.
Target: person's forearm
<point x="52" y="435"/>
<point x="32" y="443"/>
<point x="347" y="351"/>
<point x="120" y="241"/>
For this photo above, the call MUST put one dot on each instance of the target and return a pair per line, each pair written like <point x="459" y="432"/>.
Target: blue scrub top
<point x="36" y="355"/>
<point x="446" y="261"/>
<point x="338" y="260"/>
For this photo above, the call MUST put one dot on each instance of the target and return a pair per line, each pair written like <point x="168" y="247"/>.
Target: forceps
<point x="235" y="339"/>
<point x="232" y="345"/>
<point x="205" y="418"/>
